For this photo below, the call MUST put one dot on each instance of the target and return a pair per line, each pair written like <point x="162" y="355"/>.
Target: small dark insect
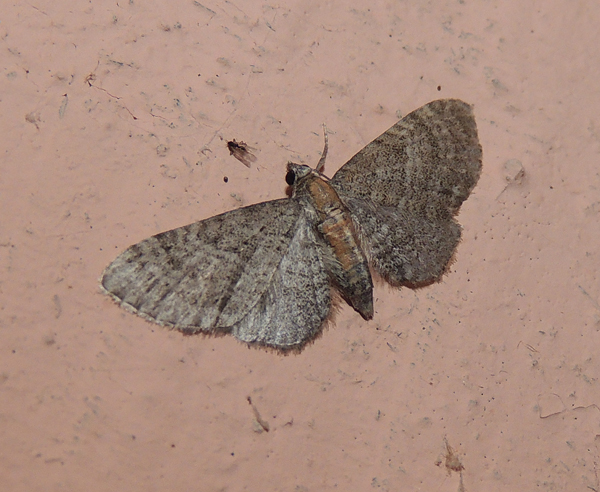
<point x="270" y="273"/>
<point x="241" y="151"/>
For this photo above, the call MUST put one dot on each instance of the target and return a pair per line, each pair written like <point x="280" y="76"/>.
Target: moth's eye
<point x="290" y="178"/>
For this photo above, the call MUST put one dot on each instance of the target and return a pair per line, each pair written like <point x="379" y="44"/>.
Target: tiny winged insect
<point x="241" y="151"/>
<point x="269" y="274"/>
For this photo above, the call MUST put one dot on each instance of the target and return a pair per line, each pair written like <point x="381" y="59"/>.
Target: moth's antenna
<point x="321" y="165"/>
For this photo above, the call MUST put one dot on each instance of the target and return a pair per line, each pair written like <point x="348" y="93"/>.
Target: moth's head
<point x="295" y="172"/>
<point x="296" y="177"/>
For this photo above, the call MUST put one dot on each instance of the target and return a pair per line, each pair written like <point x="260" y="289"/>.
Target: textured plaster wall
<point x="113" y="123"/>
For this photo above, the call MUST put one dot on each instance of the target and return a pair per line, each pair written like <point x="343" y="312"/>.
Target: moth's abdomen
<point x="349" y="267"/>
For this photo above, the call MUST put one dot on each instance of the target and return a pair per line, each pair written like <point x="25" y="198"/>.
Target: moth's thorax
<point x="315" y="186"/>
<point x="333" y="214"/>
<point x="335" y="221"/>
<point x="335" y="224"/>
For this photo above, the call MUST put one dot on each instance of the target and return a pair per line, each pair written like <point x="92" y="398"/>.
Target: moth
<point x="270" y="274"/>
<point x="241" y="151"/>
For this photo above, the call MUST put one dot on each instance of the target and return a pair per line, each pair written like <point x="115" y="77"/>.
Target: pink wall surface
<point x="113" y="123"/>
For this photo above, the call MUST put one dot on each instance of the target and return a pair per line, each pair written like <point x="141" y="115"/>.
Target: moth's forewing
<point x="185" y="277"/>
<point x="431" y="157"/>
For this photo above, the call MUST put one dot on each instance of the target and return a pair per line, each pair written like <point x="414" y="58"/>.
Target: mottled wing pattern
<point x="403" y="247"/>
<point x="233" y="273"/>
<point x="404" y="188"/>
<point x="297" y="302"/>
